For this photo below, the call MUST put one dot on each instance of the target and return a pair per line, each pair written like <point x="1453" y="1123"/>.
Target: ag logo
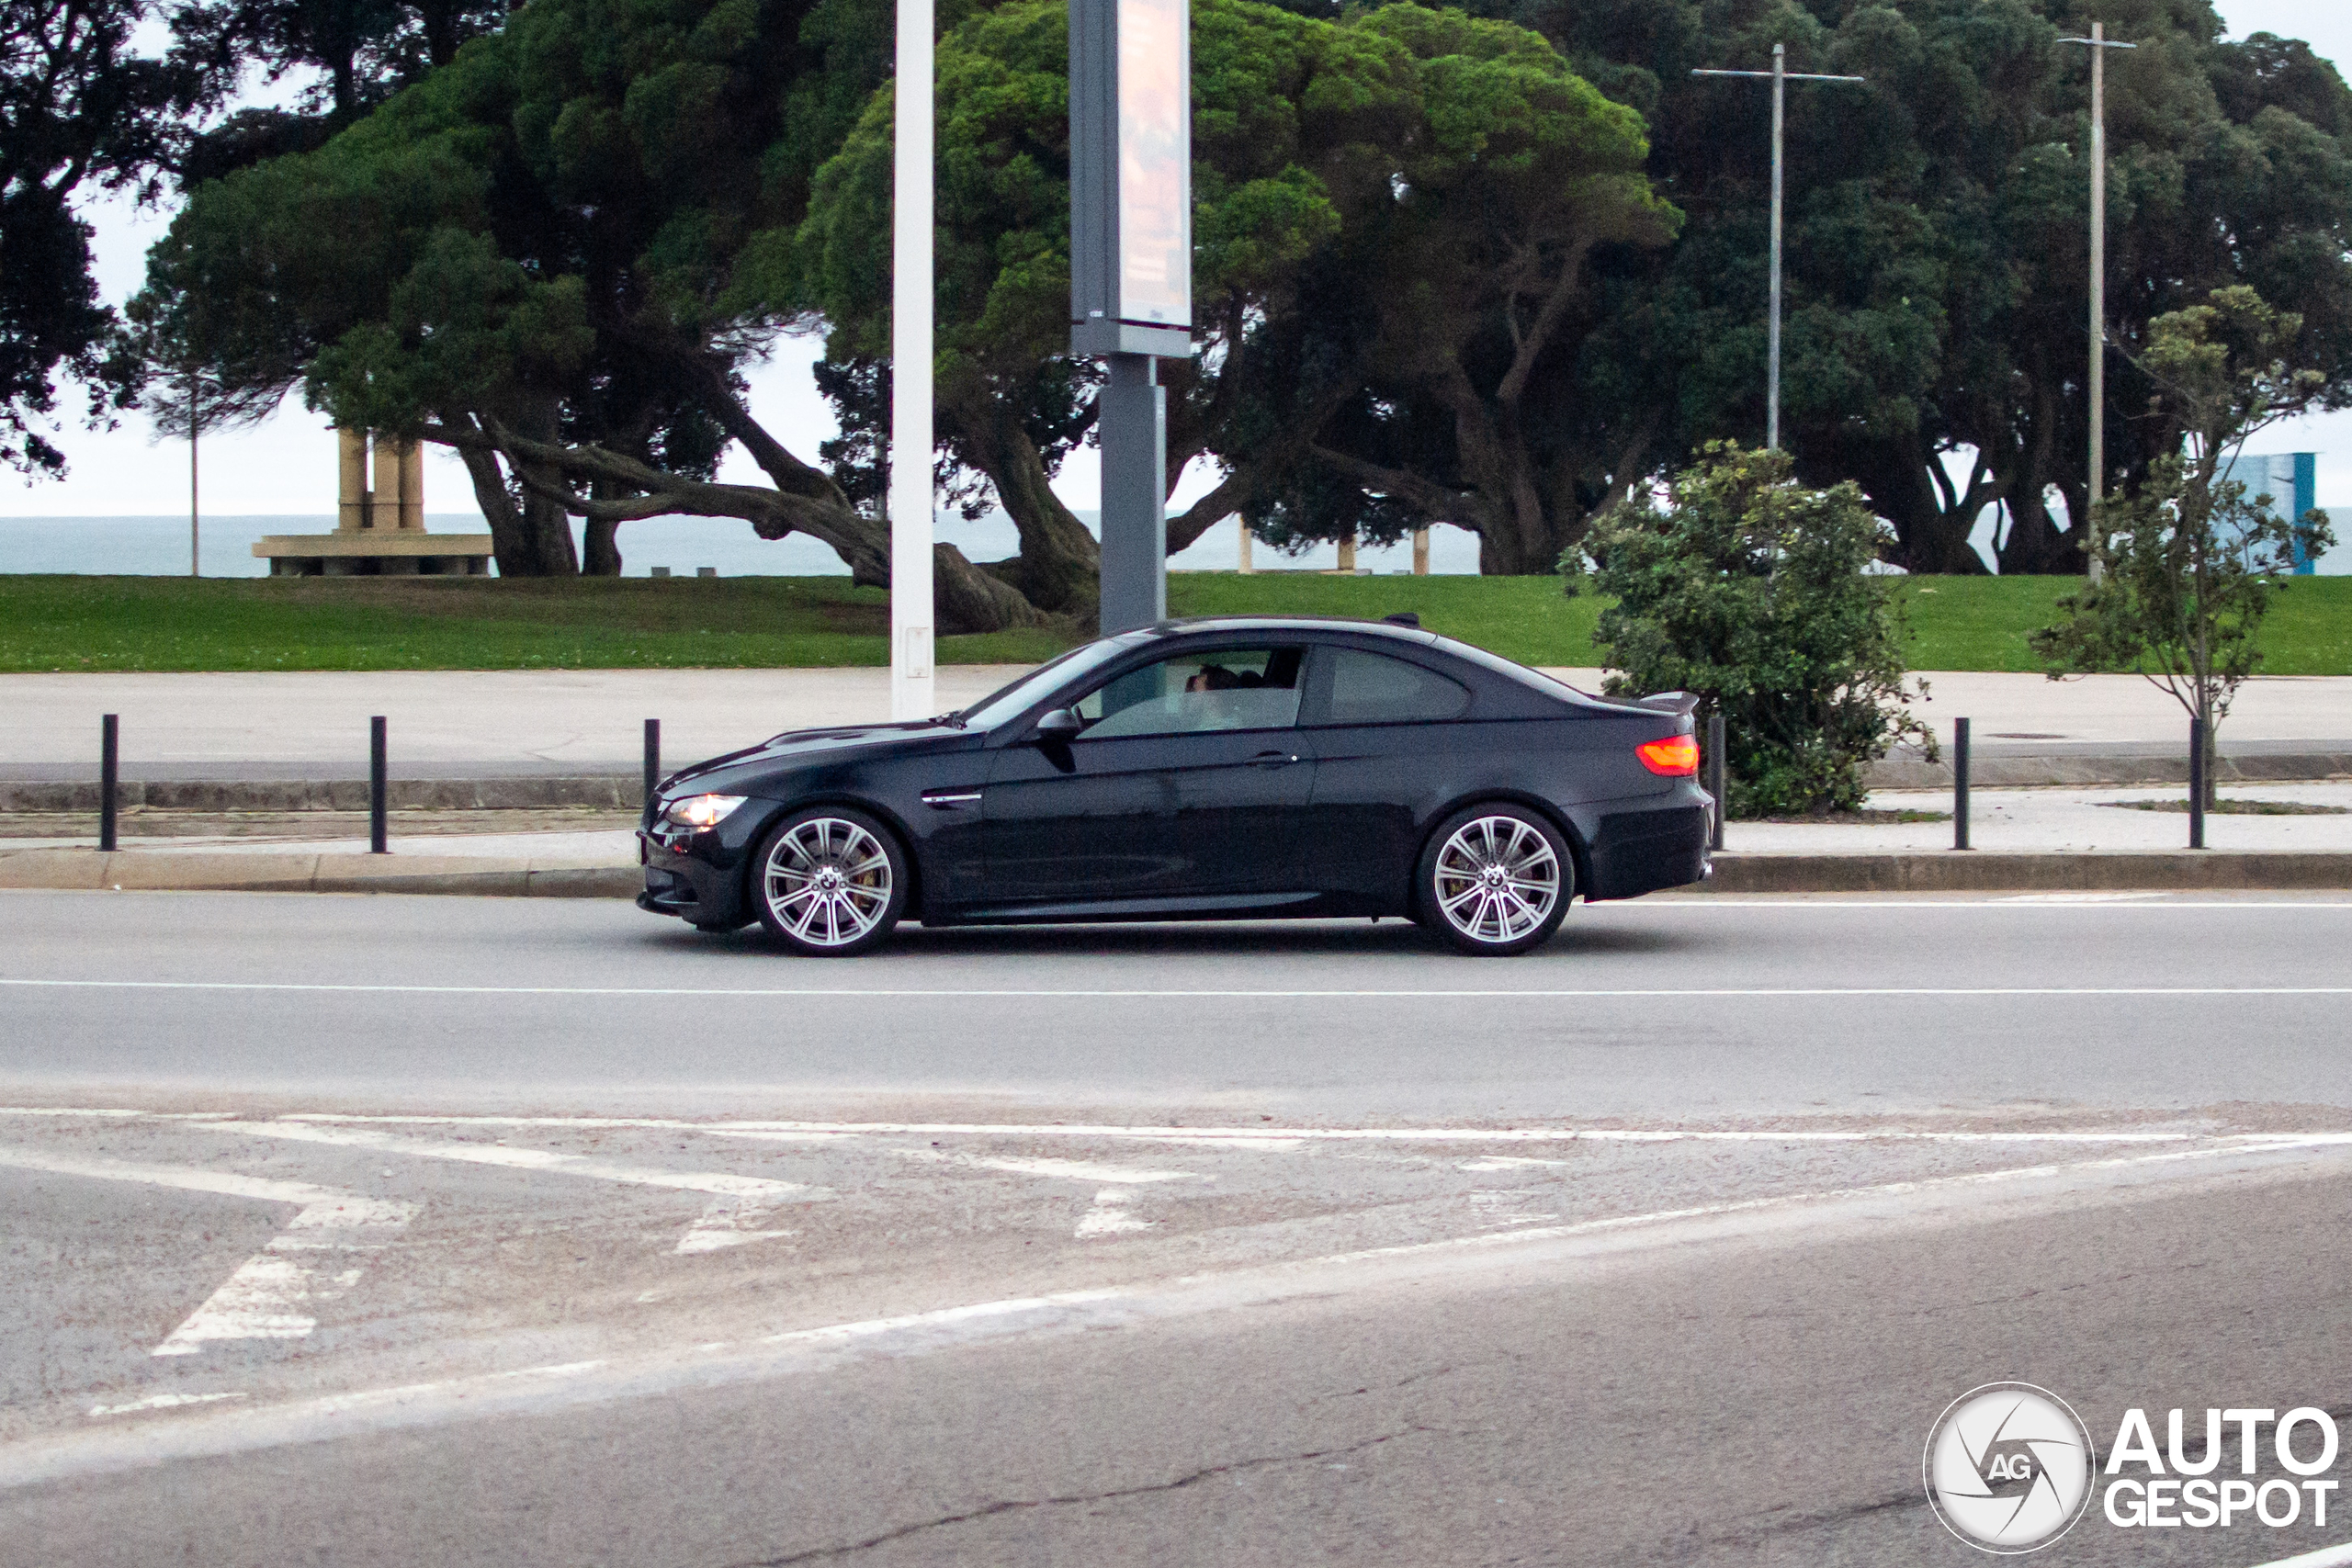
<point x="2008" y="1468"/>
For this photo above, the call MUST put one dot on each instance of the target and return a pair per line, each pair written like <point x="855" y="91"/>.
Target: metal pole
<point x="1960" y="783"/>
<point x="653" y="760"/>
<point x="376" y="791"/>
<point x="2196" y="784"/>
<point x="109" y="780"/>
<point x="1134" y="425"/>
<point x="911" y="368"/>
<point x="195" y="557"/>
<point x="1716" y="779"/>
<point x="1782" y="77"/>
<point x="2099" y="297"/>
<point x="1773" y="375"/>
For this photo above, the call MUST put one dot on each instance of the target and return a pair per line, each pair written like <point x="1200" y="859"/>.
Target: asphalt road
<point x="1657" y="1007"/>
<point x="385" y="1231"/>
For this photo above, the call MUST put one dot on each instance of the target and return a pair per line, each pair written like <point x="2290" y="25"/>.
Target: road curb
<point x="1943" y="871"/>
<point x="1978" y="871"/>
<point x="148" y="871"/>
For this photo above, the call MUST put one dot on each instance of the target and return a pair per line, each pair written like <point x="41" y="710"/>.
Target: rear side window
<point x="1372" y="688"/>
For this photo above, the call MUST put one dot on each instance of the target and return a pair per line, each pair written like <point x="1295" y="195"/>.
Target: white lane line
<point x="160" y="1401"/>
<point x="63" y="1111"/>
<point x="1266" y="1136"/>
<point x="2326" y="1557"/>
<point x="737" y="1205"/>
<point x="1525" y="993"/>
<point x="1088" y="1171"/>
<point x="310" y="1264"/>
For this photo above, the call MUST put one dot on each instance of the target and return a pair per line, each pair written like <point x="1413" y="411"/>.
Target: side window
<point x="1372" y="688"/>
<point x="1233" y="688"/>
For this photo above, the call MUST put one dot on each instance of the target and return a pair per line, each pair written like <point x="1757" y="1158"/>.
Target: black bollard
<point x="1960" y="783"/>
<point x="2196" y="784"/>
<point x="1716" y="779"/>
<point x="653" y="759"/>
<point x="109" y="779"/>
<point x="376" y="791"/>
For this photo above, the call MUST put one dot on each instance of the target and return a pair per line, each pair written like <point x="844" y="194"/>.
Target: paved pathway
<point x="2010" y="820"/>
<point x="483" y="723"/>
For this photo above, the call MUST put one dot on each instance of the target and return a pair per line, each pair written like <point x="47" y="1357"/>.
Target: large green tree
<point x="1399" y="206"/>
<point x="84" y="107"/>
<point x="1298" y="125"/>
<point x="1937" y="257"/>
<point x="537" y="256"/>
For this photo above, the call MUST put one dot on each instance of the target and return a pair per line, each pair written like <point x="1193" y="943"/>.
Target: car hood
<point x="798" y="747"/>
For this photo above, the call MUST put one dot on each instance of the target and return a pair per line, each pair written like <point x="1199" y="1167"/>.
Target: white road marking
<point x="43" y="1459"/>
<point x="1265" y="1136"/>
<point x="1109" y="1216"/>
<point x="2326" y="1557"/>
<point x="160" y="1401"/>
<point x="1526" y="993"/>
<point x="312" y="1263"/>
<point x="738" y="1203"/>
<point x="1089" y="1171"/>
<point x="1509" y="1162"/>
<point x="309" y="1264"/>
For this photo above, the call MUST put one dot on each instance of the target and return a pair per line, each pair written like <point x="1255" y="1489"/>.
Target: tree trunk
<point x="604" y="552"/>
<point x="1059" y="567"/>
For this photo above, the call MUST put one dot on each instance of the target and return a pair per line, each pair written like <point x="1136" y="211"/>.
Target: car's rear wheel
<point x="1495" y="879"/>
<point x="830" y="881"/>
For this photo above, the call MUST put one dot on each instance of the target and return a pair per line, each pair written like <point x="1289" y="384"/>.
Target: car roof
<point x="1195" y="625"/>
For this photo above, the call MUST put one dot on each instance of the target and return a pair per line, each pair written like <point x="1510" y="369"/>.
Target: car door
<point x="1388" y="739"/>
<point x="1188" y="781"/>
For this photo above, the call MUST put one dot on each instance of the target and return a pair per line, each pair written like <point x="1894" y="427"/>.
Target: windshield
<point x="1009" y="701"/>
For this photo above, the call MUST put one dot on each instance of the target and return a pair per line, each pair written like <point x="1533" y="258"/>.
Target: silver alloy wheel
<point x="828" y="882"/>
<point x="1498" y="879"/>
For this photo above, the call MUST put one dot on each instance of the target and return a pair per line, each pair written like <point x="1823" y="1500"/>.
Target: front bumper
<point x="699" y="877"/>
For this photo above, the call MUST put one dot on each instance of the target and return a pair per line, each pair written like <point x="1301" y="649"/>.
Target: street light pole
<point x="2096" y="489"/>
<point x="910" y="348"/>
<point x="1780" y="76"/>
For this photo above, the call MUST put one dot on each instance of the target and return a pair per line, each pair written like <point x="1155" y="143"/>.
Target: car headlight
<point x="700" y="811"/>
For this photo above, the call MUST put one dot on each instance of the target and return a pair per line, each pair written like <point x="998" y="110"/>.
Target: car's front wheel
<point x="830" y="881"/>
<point x="1495" y="879"/>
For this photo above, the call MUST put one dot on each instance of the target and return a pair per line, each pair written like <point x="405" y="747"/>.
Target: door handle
<point x="1272" y="759"/>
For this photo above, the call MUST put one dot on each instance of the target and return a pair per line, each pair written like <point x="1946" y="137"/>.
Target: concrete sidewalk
<point x="458" y="725"/>
<point x="2024" y="839"/>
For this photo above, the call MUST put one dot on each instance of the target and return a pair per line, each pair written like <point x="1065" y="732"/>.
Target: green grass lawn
<point x="162" y="623"/>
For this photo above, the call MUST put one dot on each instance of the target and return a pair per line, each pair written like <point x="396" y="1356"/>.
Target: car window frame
<point x="1154" y="653"/>
<point x="1315" y="713"/>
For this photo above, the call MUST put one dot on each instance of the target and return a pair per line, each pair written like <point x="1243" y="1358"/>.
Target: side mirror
<point x="1062" y="724"/>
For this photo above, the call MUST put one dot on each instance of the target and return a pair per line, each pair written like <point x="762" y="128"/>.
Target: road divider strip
<point x="1671" y="1233"/>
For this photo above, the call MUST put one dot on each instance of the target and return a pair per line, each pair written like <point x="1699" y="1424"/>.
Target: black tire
<point x="1483" y="875"/>
<point x="830" y="881"/>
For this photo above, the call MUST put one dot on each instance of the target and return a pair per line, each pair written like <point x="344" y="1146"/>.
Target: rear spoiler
<point x="1683" y="702"/>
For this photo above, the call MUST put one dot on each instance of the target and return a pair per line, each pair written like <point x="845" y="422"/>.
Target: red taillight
<point x="1676" y="756"/>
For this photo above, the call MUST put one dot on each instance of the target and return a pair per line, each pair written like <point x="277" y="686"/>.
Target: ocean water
<point x="159" y="546"/>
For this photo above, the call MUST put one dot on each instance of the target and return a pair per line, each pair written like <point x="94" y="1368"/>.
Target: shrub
<point x="1749" y="591"/>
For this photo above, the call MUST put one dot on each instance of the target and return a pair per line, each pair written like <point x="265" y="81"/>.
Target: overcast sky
<point x="288" y="465"/>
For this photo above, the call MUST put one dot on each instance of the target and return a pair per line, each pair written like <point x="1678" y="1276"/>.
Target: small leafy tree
<point x="2190" y="562"/>
<point x="1749" y="590"/>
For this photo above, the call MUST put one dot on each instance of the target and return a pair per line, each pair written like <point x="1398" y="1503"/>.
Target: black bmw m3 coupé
<point x="1242" y="768"/>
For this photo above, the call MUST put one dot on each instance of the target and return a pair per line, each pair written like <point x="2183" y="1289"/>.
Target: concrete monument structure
<point x="379" y="528"/>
